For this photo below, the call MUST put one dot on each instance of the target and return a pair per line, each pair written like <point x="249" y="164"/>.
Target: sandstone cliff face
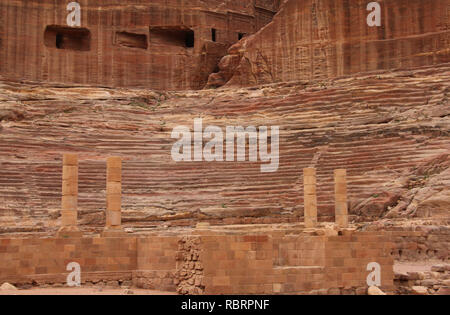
<point x="318" y="39"/>
<point x="158" y="44"/>
<point x="390" y="130"/>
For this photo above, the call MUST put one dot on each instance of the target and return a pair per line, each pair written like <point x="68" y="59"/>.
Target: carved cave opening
<point x="63" y="37"/>
<point x="132" y="40"/>
<point x="172" y="36"/>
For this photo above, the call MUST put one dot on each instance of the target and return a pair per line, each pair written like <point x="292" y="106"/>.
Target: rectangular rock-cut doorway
<point x="69" y="38"/>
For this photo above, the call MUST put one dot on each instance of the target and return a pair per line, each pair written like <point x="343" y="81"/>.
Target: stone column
<point x="310" y="197"/>
<point x="113" y="197"/>
<point x="340" y="191"/>
<point x="69" y="201"/>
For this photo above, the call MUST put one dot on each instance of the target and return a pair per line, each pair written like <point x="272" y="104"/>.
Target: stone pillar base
<point x="69" y="232"/>
<point x="114" y="232"/>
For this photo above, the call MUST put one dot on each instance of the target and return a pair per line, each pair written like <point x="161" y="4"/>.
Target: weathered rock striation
<point x="390" y="130"/>
<point x="319" y="39"/>
<point x="345" y="95"/>
<point x="170" y="44"/>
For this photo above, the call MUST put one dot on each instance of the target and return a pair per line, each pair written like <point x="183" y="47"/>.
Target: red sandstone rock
<point x="154" y="44"/>
<point x="353" y="122"/>
<point x="384" y="127"/>
<point x="320" y="39"/>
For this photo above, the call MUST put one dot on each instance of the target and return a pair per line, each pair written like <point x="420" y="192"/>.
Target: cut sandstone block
<point x="309" y="180"/>
<point x="69" y="188"/>
<point x="340" y="172"/>
<point x="310" y="205"/>
<point x="113" y="218"/>
<point x="114" y="162"/>
<point x="341" y="198"/>
<point x="69" y="217"/>
<point x="310" y="202"/>
<point x="69" y="202"/>
<point x="310" y="221"/>
<point x="340" y="189"/>
<point x="114" y="174"/>
<point x="341" y="208"/>
<point x="70" y="159"/>
<point x="70" y="172"/>
<point x="114" y="202"/>
<point x="113" y="188"/>
<point x="309" y="172"/>
<point x="309" y="189"/>
<point x="342" y="220"/>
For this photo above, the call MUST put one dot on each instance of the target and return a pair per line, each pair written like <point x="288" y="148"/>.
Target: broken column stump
<point x="113" y="226"/>
<point x="340" y="191"/>
<point x="69" y="200"/>
<point x="310" y="197"/>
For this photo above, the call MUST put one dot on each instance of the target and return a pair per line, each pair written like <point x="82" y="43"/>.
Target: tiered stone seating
<point x="378" y="126"/>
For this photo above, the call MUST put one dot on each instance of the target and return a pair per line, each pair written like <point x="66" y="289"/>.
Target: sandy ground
<point x="82" y="291"/>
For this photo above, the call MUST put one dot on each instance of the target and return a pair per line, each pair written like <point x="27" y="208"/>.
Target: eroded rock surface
<point x="320" y="39"/>
<point x="390" y="130"/>
<point x="158" y="44"/>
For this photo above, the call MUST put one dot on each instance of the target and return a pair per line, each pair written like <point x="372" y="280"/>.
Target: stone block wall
<point x="157" y="253"/>
<point x="266" y="264"/>
<point x="156" y="263"/>
<point x="206" y="262"/>
<point x="237" y="264"/>
<point x="45" y="260"/>
<point x="300" y="251"/>
<point x="348" y="256"/>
